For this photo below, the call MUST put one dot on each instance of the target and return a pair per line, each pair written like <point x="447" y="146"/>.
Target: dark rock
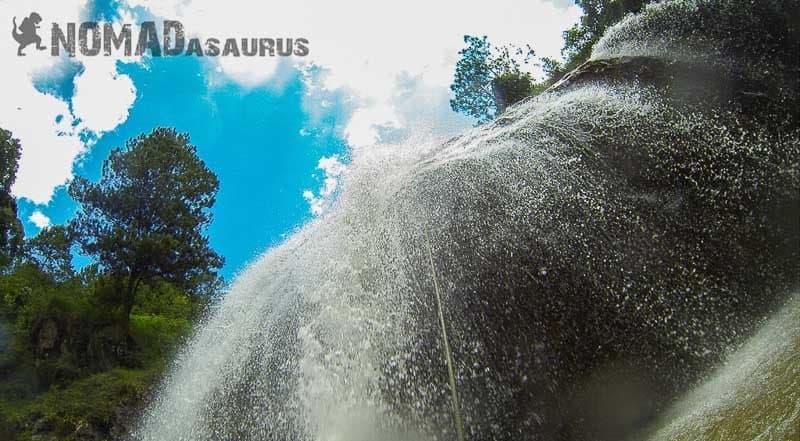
<point x="640" y="218"/>
<point x="86" y="432"/>
<point x="124" y="420"/>
<point x="110" y="346"/>
<point x="597" y="250"/>
<point x="42" y="426"/>
<point x="48" y="337"/>
<point x="626" y="68"/>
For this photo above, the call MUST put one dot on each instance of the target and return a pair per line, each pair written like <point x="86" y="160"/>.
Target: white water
<point x="549" y="256"/>
<point x="300" y="347"/>
<point x="748" y="375"/>
<point x="304" y="331"/>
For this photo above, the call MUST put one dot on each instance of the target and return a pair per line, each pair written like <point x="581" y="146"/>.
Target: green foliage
<point x="515" y="86"/>
<point x="476" y="91"/>
<point x="76" y="349"/>
<point x="69" y="362"/>
<point x="51" y="250"/>
<point x="166" y="300"/>
<point x="11" y="233"/>
<point x="156" y="336"/>
<point x="579" y="40"/>
<point x="161" y="318"/>
<point x="91" y="402"/>
<point x="472" y="83"/>
<point x="56" y="326"/>
<point x="144" y="220"/>
<point x="488" y="80"/>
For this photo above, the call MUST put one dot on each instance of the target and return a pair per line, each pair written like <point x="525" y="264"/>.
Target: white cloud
<point x="30" y="115"/>
<point x="365" y="48"/>
<point x="49" y="134"/>
<point x="332" y="169"/>
<point x="367" y="120"/>
<point x="102" y="95"/>
<point x="365" y="45"/>
<point x="39" y="219"/>
<point x="564" y="4"/>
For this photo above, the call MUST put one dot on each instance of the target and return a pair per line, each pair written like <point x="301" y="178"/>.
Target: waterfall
<point x="595" y="251"/>
<point x="757" y="387"/>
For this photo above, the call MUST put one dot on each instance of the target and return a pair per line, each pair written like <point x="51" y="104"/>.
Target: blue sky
<point x="276" y="132"/>
<point x="257" y="140"/>
<point x="251" y="138"/>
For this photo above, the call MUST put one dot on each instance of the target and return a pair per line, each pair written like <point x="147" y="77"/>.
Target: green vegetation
<point x="579" y="40"/>
<point x="79" y="350"/>
<point x="10" y="226"/>
<point x="88" y="408"/>
<point x="144" y="220"/>
<point x="489" y="79"/>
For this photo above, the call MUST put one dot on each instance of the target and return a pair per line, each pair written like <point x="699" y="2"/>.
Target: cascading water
<point x="754" y="395"/>
<point x="590" y="255"/>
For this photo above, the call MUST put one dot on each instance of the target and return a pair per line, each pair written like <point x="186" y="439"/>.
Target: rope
<point x="447" y="353"/>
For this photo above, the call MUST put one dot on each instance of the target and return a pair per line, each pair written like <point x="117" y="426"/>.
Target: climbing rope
<point x="447" y="353"/>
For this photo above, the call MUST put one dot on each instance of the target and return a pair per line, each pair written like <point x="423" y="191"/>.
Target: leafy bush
<point x="73" y="357"/>
<point x="156" y="336"/>
<point x="90" y="402"/>
<point x="515" y="86"/>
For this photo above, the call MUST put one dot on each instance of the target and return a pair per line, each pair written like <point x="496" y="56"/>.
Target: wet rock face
<point x="596" y="250"/>
<point x="600" y="247"/>
<point x="745" y="52"/>
<point x="622" y="69"/>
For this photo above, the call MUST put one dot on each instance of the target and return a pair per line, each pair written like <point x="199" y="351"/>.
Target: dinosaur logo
<point x="25" y="34"/>
<point x="91" y="38"/>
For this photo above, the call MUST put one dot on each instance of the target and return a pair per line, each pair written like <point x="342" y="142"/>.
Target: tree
<point x="598" y="15"/>
<point x="488" y="80"/>
<point x="11" y="233"/>
<point x="144" y="220"/>
<point x="51" y="251"/>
